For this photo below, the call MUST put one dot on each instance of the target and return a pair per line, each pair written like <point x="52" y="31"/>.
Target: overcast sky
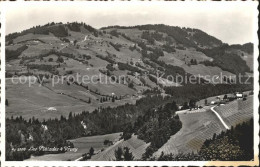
<point x="231" y="22"/>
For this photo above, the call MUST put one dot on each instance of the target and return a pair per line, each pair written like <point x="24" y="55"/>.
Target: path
<point x="219" y="117"/>
<point x="63" y="47"/>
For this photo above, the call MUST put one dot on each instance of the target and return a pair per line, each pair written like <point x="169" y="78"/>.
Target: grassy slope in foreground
<point x="237" y="111"/>
<point x="83" y="144"/>
<point x="199" y="126"/>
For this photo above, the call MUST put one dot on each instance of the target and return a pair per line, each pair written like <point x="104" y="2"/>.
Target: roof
<point x="239" y="95"/>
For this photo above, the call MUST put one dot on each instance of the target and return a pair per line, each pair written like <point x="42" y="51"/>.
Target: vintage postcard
<point x="129" y="83"/>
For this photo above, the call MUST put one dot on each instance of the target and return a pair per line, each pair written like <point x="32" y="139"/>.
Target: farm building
<point x="212" y="102"/>
<point x="239" y="95"/>
<point x="52" y="109"/>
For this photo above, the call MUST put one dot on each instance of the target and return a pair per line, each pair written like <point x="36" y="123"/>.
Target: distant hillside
<point x="144" y="51"/>
<point x="186" y="36"/>
<point x="229" y="58"/>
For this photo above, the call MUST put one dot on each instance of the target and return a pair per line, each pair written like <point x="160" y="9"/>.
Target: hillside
<point x="132" y="52"/>
<point x="137" y="148"/>
<point x="203" y="124"/>
<point x="82" y="144"/>
<point x="77" y="81"/>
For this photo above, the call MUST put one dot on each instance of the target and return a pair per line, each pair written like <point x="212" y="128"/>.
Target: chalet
<point x="115" y="65"/>
<point x="212" y="102"/>
<point x="139" y="91"/>
<point x="239" y="95"/>
<point x="134" y="96"/>
<point x="52" y="109"/>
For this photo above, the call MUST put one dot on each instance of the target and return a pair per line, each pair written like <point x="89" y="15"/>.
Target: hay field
<point x="196" y="128"/>
<point x="35" y="100"/>
<point x="83" y="144"/>
<point x="237" y="111"/>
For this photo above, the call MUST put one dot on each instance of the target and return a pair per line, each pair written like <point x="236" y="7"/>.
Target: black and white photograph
<point x="129" y="81"/>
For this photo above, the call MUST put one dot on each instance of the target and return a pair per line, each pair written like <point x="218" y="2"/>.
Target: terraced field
<point x="199" y="125"/>
<point x="196" y="128"/>
<point x="137" y="147"/>
<point x="236" y="112"/>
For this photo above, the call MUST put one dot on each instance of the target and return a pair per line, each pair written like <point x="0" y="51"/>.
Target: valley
<point x="71" y="85"/>
<point x="197" y="126"/>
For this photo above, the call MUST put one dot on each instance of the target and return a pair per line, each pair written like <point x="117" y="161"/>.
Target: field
<point x="37" y="100"/>
<point x="183" y="57"/>
<point x="44" y="38"/>
<point x="199" y="125"/>
<point x="196" y="127"/>
<point x="203" y="70"/>
<point x="137" y="147"/>
<point x="83" y="144"/>
<point x="237" y="111"/>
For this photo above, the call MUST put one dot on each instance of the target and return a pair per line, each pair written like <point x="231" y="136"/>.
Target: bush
<point x="60" y="59"/>
<point x="131" y="85"/>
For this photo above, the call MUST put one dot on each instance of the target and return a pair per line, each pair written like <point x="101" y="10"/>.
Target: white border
<point x="2" y="117"/>
<point x="127" y="163"/>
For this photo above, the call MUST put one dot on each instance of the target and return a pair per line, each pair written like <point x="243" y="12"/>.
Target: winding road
<point x="219" y="117"/>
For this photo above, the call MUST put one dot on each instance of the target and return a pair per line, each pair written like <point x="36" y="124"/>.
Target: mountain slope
<point x="132" y="57"/>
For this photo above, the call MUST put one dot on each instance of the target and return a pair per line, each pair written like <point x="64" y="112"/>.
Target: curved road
<point x="219" y="117"/>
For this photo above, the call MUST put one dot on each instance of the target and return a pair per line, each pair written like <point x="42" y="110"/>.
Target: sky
<point x="231" y="22"/>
